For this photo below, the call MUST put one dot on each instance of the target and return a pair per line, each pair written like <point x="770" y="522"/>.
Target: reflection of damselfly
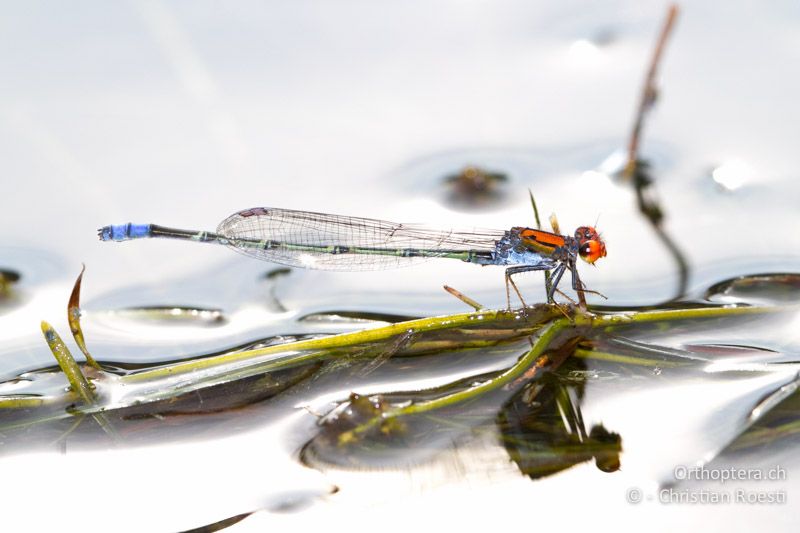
<point x="333" y="242"/>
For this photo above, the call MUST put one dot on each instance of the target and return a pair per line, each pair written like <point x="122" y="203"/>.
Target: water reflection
<point x="476" y="188"/>
<point x="173" y="314"/>
<point x="360" y="406"/>
<point x="762" y="289"/>
<point x="8" y="278"/>
<point x="733" y="175"/>
<point x="543" y="430"/>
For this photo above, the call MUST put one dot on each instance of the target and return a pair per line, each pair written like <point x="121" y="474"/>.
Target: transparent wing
<point x="334" y="242"/>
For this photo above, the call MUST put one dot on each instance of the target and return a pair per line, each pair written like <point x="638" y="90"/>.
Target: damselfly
<point x="333" y="242"/>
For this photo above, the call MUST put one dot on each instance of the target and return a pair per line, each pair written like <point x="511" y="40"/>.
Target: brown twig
<point x="464" y="298"/>
<point x="649" y="92"/>
<point x="637" y="171"/>
<point x="74" y="318"/>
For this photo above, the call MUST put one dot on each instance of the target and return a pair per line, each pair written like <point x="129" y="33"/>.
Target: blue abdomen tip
<point x="123" y="232"/>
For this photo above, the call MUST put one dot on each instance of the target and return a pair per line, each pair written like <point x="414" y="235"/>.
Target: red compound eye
<point x="591" y="251"/>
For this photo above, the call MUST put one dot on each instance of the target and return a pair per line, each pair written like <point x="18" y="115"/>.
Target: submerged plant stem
<point x="521" y="327"/>
<point x="531" y="358"/>
<point x="535" y="360"/>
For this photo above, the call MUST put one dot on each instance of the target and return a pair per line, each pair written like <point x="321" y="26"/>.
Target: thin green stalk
<point x="526" y="324"/>
<point x="624" y="359"/>
<point x="68" y="365"/>
<point x="547" y="335"/>
<point x="539" y="227"/>
<point x="21" y="402"/>
<point x="542" y="343"/>
<point x="539" y="346"/>
<point x="641" y="317"/>
<point x="337" y="341"/>
<point x="76" y="379"/>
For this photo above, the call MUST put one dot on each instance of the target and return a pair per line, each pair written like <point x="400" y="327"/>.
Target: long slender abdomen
<point x="124" y="232"/>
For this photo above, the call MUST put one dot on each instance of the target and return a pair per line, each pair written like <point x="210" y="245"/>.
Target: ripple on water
<point x="758" y="289"/>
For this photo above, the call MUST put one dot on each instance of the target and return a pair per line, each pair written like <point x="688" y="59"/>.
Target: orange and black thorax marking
<point x="544" y="242"/>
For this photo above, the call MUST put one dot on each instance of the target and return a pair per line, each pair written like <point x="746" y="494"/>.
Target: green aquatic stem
<point x="78" y="382"/>
<point x="541" y="344"/>
<point x="624" y="359"/>
<point x="76" y="379"/>
<point x="519" y="324"/>
<point x="534" y="358"/>
<point x="539" y="227"/>
<point x="619" y="319"/>
<point x="345" y="340"/>
<point x="523" y="322"/>
<point x="21" y="402"/>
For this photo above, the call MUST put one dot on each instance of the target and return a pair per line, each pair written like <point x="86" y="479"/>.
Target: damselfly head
<point x="591" y="246"/>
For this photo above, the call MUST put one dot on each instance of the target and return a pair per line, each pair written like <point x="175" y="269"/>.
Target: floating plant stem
<point x="682" y="314"/>
<point x="623" y="359"/>
<point x="75" y="376"/>
<point x="21" y="402"/>
<point x="533" y="362"/>
<point x="534" y="358"/>
<point x="461" y="331"/>
<point x="522" y="322"/>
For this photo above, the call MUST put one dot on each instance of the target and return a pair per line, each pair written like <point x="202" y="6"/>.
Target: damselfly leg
<point x="510" y="282"/>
